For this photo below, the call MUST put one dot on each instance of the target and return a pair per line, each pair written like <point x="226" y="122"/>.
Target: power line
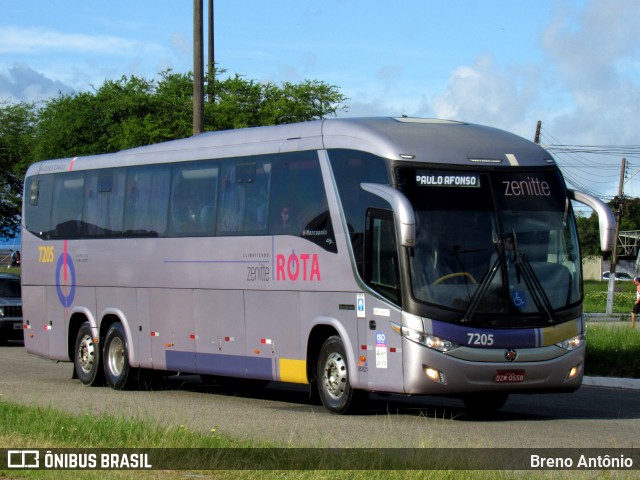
<point x="586" y="174"/>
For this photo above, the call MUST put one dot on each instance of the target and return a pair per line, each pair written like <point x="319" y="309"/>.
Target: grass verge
<point x="612" y="351"/>
<point x="45" y="428"/>
<point x="595" y="296"/>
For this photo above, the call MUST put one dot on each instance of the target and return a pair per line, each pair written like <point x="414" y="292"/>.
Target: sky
<point x="574" y="65"/>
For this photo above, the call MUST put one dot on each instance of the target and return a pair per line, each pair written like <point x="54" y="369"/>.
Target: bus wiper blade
<point x="484" y="286"/>
<point x="524" y="268"/>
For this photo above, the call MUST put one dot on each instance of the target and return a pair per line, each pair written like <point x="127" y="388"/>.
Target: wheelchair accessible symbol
<point x="519" y="299"/>
<point x="65" y="279"/>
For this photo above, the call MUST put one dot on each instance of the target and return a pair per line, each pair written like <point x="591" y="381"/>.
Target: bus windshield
<point x="500" y="248"/>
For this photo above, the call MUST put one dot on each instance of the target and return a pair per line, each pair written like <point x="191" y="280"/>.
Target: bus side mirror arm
<point x="606" y="219"/>
<point x="402" y="210"/>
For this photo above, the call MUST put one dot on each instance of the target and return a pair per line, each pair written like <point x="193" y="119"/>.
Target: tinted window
<point x="263" y="195"/>
<point x="68" y="198"/>
<point x="147" y="199"/>
<point x="193" y="199"/>
<point x="103" y="203"/>
<point x="298" y="200"/>
<point x="37" y="208"/>
<point x="9" y="287"/>
<point x="244" y="195"/>
<point x="350" y="169"/>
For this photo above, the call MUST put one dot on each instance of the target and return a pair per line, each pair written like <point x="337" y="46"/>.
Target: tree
<point x="589" y="235"/>
<point x="17" y="123"/>
<point x="588" y="227"/>
<point x="134" y="111"/>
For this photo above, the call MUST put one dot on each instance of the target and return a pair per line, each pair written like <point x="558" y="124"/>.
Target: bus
<point x="353" y="255"/>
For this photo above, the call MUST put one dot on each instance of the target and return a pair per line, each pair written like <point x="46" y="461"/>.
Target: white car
<point x="622" y="276"/>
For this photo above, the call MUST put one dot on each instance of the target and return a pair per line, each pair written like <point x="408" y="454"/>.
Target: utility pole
<point x="537" y="137"/>
<point x="211" y="56"/>
<point x="198" y="69"/>
<point x="618" y="203"/>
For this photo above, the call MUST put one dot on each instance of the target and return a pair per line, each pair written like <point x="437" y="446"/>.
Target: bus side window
<point x="244" y="196"/>
<point x="299" y="202"/>
<point x="146" y="201"/>
<point x="103" y="203"/>
<point x="37" y="212"/>
<point x="350" y="169"/>
<point x="68" y="201"/>
<point x="381" y="268"/>
<point x="193" y="199"/>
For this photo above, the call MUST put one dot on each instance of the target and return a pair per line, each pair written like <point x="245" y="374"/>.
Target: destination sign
<point x="447" y="180"/>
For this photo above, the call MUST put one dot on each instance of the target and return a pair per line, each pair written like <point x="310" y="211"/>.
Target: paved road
<point x="591" y="417"/>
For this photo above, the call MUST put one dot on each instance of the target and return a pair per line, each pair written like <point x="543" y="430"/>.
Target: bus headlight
<point x="436" y="343"/>
<point x="1" y="311"/>
<point x="572" y="343"/>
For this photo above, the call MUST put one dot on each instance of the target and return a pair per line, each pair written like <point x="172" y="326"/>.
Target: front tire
<point x="332" y="378"/>
<point x="117" y="370"/>
<point x="87" y="359"/>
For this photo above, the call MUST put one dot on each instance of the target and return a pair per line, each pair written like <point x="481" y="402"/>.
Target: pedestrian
<point x="636" y="306"/>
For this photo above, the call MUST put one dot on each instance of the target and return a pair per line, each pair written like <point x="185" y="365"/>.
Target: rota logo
<point x="305" y="267"/>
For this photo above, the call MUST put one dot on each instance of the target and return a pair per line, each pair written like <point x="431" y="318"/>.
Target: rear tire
<point x="332" y="377"/>
<point x="117" y="370"/>
<point x="87" y="358"/>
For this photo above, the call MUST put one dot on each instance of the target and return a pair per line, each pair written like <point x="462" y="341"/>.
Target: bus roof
<point x="411" y="139"/>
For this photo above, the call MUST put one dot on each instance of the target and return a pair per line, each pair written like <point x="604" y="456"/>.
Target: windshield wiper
<point x="485" y="283"/>
<point x="524" y="269"/>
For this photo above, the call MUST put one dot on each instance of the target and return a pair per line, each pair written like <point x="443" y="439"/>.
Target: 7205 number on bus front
<point x="484" y="339"/>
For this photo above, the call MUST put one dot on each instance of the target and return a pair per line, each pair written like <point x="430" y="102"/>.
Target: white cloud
<point x="485" y="93"/>
<point x="33" y="40"/>
<point x="595" y="53"/>
<point x="22" y="83"/>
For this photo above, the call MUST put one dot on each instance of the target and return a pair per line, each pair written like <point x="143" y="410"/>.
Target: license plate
<point x="509" y="376"/>
<point x="17" y="326"/>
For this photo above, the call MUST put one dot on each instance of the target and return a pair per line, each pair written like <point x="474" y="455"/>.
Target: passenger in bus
<point x="284" y="218"/>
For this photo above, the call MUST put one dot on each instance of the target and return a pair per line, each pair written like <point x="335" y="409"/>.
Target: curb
<point x="608" y="382"/>
<point x="607" y="317"/>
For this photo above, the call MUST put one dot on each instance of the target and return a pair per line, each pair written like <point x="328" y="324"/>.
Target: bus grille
<point x="13" y="311"/>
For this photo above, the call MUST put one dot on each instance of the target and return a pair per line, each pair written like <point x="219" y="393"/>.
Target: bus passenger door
<point x="382" y="274"/>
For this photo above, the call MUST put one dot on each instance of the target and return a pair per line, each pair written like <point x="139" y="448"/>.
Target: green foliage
<point x="612" y="351"/>
<point x="64" y="430"/>
<point x="589" y="233"/>
<point x="595" y="296"/>
<point x="133" y="111"/>
<point x="17" y="125"/>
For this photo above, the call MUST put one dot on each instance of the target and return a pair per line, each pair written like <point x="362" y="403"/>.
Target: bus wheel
<point x="485" y="402"/>
<point x="333" y="378"/>
<point x="116" y="360"/>
<point x="87" y="359"/>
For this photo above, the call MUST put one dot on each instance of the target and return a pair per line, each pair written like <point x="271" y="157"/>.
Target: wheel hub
<point x="86" y="353"/>
<point x="115" y="356"/>
<point x="335" y="375"/>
